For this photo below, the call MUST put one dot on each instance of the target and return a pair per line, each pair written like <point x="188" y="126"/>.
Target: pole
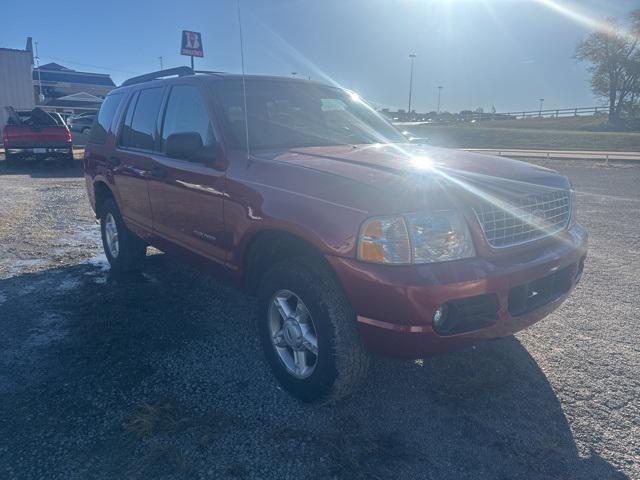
<point x="192" y="68"/>
<point x="37" y="58"/>
<point x="244" y="83"/>
<point x="439" y="94"/>
<point x="161" y="65"/>
<point x="540" y="112"/>
<point x="412" y="56"/>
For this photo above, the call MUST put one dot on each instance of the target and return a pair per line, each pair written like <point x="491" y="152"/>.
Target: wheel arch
<point x="270" y="246"/>
<point x="102" y="192"/>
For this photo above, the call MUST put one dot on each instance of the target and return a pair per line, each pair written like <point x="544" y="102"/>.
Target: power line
<point x="102" y="67"/>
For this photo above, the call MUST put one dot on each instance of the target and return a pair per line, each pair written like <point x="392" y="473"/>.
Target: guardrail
<point x="468" y="116"/>
<point x="547" y="113"/>
<point x="559" y="154"/>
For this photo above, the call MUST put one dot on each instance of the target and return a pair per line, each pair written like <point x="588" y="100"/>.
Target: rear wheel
<point x="308" y="332"/>
<point x="123" y="249"/>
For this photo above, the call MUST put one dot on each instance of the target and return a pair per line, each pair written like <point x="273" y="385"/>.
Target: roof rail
<point x="209" y="72"/>
<point x="179" y="71"/>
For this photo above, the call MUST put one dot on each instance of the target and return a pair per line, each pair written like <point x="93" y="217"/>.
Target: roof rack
<point x="179" y="71"/>
<point x="209" y="72"/>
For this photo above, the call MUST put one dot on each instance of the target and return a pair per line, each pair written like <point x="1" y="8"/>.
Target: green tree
<point x="614" y="54"/>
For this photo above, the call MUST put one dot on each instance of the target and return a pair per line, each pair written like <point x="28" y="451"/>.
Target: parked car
<point x="81" y="123"/>
<point x="354" y="241"/>
<point x="36" y="135"/>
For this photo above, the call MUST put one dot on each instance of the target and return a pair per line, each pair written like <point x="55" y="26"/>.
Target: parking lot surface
<point x="160" y="374"/>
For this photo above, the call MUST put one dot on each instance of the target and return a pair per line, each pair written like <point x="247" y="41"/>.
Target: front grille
<point x="513" y="221"/>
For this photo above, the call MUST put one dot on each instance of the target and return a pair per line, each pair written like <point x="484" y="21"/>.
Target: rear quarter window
<point x="103" y="120"/>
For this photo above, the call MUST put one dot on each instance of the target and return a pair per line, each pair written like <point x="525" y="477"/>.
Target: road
<point x="160" y="374"/>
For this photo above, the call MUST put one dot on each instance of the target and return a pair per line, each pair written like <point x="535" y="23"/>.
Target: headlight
<point x="384" y="240"/>
<point x="415" y="238"/>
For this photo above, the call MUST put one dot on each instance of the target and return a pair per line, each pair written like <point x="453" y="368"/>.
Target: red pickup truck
<point x="353" y="239"/>
<point x="36" y="135"/>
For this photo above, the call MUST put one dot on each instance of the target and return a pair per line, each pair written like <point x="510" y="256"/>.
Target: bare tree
<point x="614" y="54"/>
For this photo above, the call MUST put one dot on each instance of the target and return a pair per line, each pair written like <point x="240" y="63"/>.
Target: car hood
<point x="404" y="173"/>
<point x="377" y="164"/>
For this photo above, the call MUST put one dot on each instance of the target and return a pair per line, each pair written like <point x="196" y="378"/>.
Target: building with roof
<point x="52" y="86"/>
<point x="16" y="86"/>
<point x="58" y="81"/>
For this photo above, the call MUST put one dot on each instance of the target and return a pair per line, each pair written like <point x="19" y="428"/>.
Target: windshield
<point x="285" y="114"/>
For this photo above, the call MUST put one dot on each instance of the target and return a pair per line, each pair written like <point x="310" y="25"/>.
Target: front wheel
<point x="308" y="332"/>
<point x="123" y="249"/>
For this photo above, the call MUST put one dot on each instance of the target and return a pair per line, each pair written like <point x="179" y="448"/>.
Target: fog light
<point x="438" y="317"/>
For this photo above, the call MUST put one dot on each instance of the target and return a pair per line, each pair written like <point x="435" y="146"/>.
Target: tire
<point x="129" y="251"/>
<point x="342" y="361"/>
<point x="86" y="131"/>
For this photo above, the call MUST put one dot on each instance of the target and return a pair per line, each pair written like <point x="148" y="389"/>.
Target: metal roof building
<point x="16" y="86"/>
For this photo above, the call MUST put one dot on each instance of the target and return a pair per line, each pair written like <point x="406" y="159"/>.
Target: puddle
<point x="47" y="329"/>
<point x="98" y="261"/>
<point x="20" y="266"/>
<point x="69" y="283"/>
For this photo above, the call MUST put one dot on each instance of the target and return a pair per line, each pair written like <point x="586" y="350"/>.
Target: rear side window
<point x="103" y="121"/>
<point x="145" y="118"/>
<point x="186" y="113"/>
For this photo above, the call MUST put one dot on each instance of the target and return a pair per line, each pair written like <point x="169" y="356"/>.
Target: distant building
<point x="63" y="90"/>
<point x="16" y="87"/>
<point x="59" y="81"/>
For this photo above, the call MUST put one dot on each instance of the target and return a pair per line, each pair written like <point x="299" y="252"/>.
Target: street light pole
<point x="412" y="56"/>
<point x="439" y="94"/>
<point x="541" y="100"/>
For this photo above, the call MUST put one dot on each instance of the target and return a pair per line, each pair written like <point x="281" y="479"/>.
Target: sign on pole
<point x="191" y="44"/>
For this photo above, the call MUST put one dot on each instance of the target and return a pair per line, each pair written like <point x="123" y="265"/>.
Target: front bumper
<point x="395" y="305"/>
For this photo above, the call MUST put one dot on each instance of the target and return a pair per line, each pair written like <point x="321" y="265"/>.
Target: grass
<point x="497" y="135"/>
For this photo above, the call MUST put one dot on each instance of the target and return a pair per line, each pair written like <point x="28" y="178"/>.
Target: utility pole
<point x="439" y="95"/>
<point x="412" y="56"/>
<point x="541" y="100"/>
<point x="161" y="65"/>
<point x="37" y="59"/>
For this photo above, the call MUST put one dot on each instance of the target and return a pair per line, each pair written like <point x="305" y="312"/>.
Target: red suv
<point x="354" y="240"/>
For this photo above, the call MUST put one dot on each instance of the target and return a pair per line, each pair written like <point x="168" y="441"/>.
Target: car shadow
<point x="46" y="169"/>
<point x="159" y="373"/>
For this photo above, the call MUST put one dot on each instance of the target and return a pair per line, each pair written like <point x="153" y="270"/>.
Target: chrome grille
<point x="513" y="221"/>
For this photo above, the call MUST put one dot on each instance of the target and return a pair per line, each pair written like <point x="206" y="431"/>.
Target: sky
<point x="484" y="53"/>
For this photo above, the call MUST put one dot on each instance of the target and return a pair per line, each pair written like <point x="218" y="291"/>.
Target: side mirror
<point x="183" y="146"/>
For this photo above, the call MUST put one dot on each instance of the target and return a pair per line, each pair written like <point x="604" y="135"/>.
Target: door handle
<point x="113" y="161"/>
<point x="159" y="172"/>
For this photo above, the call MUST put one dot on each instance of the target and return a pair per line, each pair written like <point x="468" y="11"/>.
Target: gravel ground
<point x="159" y="375"/>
